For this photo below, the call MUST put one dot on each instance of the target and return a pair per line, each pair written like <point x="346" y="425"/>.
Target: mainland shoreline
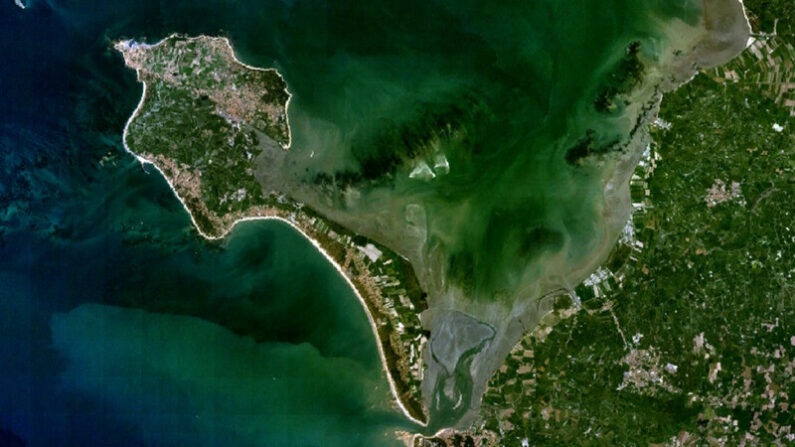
<point x="615" y="186"/>
<point x="721" y="34"/>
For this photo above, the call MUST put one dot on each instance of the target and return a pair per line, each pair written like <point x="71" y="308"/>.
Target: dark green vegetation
<point x="392" y="297"/>
<point x="459" y="162"/>
<point x="84" y="223"/>
<point x="433" y="128"/>
<point x="587" y="147"/>
<point x="687" y="337"/>
<point x="202" y="140"/>
<point x="475" y="135"/>
<point x="770" y="15"/>
<point x="612" y="98"/>
<point x="205" y="118"/>
<point x="204" y="121"/>
<point x="625" y="76"/>
<point x="474" y="132"/>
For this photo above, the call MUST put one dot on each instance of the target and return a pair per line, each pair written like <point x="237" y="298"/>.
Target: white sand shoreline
<point x="144" y="161"/>
<point x="130" y="43"/>
<point x="229" y="227"/>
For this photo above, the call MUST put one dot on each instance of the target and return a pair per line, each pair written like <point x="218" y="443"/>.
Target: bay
<point x="120" y="326"/>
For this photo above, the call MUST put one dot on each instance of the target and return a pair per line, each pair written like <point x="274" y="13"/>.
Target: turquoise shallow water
<point x="185" y="381"/>
<point x="119" y="326"/>
<point x="501" y="91"/>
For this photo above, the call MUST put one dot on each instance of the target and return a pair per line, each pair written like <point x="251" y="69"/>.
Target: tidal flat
<point x="441" y="130"/>
<point x="491" y="200"/>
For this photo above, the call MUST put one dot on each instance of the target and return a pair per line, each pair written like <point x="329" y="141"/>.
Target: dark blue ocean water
<point x="119" y="325"/>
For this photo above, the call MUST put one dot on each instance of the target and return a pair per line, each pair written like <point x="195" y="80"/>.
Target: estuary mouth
<point x="489" y="197"/>
<point x="422" y="222"/>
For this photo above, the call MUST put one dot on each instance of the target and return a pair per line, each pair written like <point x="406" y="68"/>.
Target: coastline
<point x="616" y="191"/>
<point x="632" y="265"/>
<point x="228" y="228"/>
<point x="711" y="46"/>
<point x="616" y="185"/>
<point x="129" y="43"/>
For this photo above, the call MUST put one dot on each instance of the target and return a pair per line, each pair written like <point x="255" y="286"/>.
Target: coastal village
<point x="687" y="315"/>
<point x="207" y="169"/>
<point x="610" y="261"/>
<point x="393" y="299"/>
<point x="603" y="351"/>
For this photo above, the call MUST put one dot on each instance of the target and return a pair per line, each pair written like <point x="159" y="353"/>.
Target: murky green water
<point x="121" y="327"/>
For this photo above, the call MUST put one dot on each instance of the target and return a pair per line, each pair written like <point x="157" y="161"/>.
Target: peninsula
<point x="209" y="123"/>
<point x="455" y="251"/>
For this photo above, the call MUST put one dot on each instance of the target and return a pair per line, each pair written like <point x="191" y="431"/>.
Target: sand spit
<point x="127" y="45"/>
<point x="721" y="35"/>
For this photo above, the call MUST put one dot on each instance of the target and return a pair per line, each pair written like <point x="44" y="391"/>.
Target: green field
<point x="689" y="336"/>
